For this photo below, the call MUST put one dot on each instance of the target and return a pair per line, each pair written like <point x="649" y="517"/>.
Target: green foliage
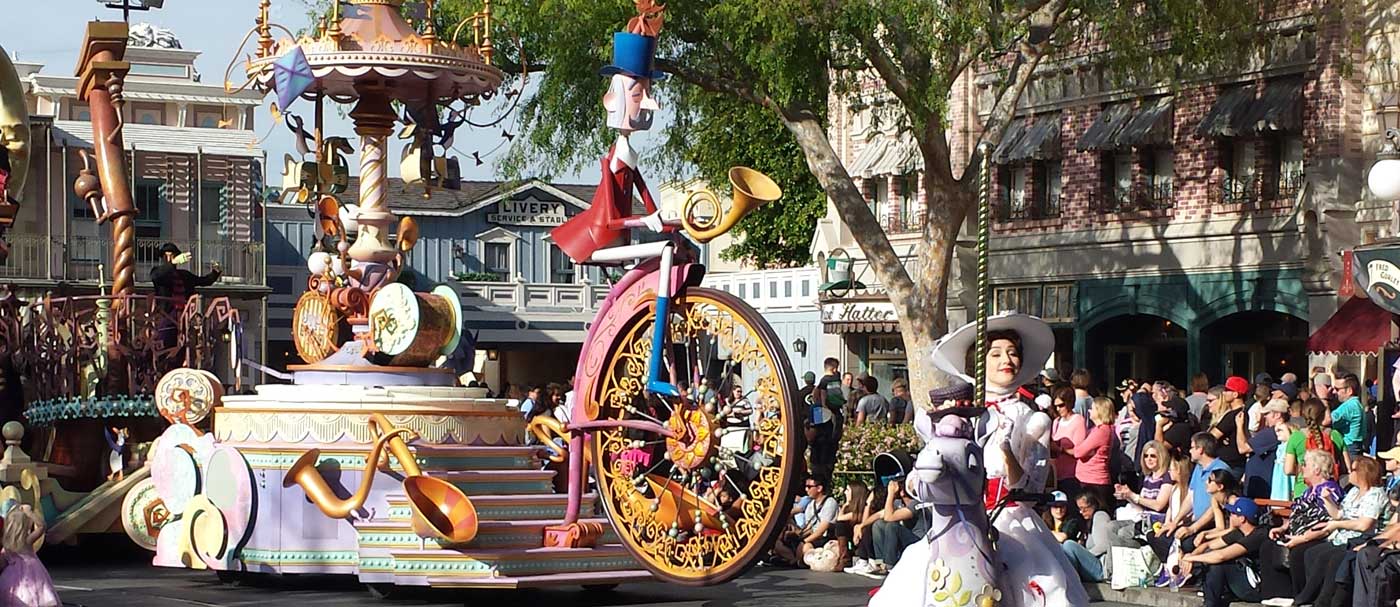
<point x="861" y="443"/>
<point x="775" y="235"/>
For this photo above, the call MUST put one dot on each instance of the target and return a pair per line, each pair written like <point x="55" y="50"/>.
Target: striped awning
<point x="1358" y="328"/>
<point x="1279" y="108"/>
<point x="884" y="155"/>
<point x="860" y="327"/>
<point x="1150" y="125"/>
<point x="1103" y="133"/>
<point x="1226" y="117"/>
<point x="1034" y="141"/>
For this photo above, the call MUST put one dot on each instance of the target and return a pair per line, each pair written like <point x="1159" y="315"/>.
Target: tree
<point x="790" y="58"/>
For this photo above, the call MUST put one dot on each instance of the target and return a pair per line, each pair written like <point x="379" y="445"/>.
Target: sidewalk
<point x="1149" y="597"/>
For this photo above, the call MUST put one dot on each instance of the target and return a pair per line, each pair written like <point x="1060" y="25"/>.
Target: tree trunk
<point x="920" y="301"/>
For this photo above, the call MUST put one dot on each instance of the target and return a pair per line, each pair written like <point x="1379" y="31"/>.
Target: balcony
<point x="1142" y="197"/>
<point x="35" y="257"/>
<point x="531" y="297"/>
<point x="904" y="225"/>
<point x="1020" y="206"/>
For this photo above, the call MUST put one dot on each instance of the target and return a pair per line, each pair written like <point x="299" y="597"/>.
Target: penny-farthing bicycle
<point x="695" y="476"/>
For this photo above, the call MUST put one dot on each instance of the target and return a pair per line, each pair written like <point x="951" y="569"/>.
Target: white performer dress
<point x="1037" y="573"/>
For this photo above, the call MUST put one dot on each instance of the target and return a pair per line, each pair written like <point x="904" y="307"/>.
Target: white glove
<point x="653" y="221"/>
<point x="182" y="259"/>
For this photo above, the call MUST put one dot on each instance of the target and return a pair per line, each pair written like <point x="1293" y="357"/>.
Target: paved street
<point x="113" y="576"/>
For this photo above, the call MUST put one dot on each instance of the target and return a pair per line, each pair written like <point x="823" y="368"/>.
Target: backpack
<point x="1325" y="444"/>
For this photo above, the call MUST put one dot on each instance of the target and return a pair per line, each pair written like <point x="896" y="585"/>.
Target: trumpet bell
<point x="304" y="465"/>
<point x="440" y="510"/>
<point x="706" y="218"/>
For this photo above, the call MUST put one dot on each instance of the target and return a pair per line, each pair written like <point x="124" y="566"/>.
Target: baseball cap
<point x="809" y="377"/>
<point x="1263" y="378"/>
<point x="1289" y="390"/>
<point x="1391" y="453"/>
<point x="1058" y="498"/>
<point x="1051" y="374"/>
<point x="1245" y="507"/>
<point x="1322" y="379"/>
<point x="1277" y="405"/>
<point x="1237" y="385"/>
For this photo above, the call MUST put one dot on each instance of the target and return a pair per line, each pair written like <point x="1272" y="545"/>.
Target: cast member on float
<point x="1015" y="439"/>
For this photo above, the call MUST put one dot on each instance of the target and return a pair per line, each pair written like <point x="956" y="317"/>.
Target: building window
<point x="880" y="198"/>
<point x="1159" y="172"/>
<point x="1057" y="303"/>
<point x="561" y="268"/>
<point x="806" y="288"/>
<point x="1025" y="300"/>
<point x="908" y="195"/>
<point x="149" y="198"/>
<point x="757" y="292"/>
<point x="148" y="113"/>
<point x="78" y="110"/>
<point x="1289" y="163"/>
<point x="1116" y="189"/>
<point x="787" y="288"/>
<point x="1048" y="185"/>
<point x="208" y="118"/>
<point x="743" y="290"/>
<point x="1239" y="185"/>
<point x="773" y="289"/>
<point x="215" y="212"/>
<point x="1013" y="192"/>
<point x="496" y="259"/>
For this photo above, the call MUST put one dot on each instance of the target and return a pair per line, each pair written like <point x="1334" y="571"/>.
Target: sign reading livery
<point x="529" y="213"/>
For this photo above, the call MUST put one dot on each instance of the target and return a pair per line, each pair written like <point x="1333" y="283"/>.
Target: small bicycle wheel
<point x="702" y="505"/>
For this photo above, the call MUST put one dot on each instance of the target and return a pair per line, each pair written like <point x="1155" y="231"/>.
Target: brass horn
<point x="440" y="509"/>
<point x="705" y="217"/>
<point x="304" y="473"/>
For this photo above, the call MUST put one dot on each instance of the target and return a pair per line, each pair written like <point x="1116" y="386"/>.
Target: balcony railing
<point x="1141" y="197"/>
<point x="522" y="296"/>
<point x="1290" y="182"/>
<point x="905" y="225"/>
<point x="1023" y="206"/>
<point x="77" y="259"/>
<point x="1243" y="190"/>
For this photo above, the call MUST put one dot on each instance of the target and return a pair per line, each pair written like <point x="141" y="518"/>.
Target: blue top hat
<point x="633" y="55"/>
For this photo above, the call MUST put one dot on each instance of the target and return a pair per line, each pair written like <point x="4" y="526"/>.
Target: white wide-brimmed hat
<point x="1037" y="344"/>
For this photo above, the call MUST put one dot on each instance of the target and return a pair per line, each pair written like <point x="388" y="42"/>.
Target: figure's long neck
<point x="623" y="152"/>
<point x="996" y="392"/>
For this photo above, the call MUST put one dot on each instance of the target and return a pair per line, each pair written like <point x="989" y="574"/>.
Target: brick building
<point x="1161" y="228"/>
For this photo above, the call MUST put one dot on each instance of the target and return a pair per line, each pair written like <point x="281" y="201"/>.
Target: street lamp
<point x="1384" y="178"/>
<point x="799" y="346"/>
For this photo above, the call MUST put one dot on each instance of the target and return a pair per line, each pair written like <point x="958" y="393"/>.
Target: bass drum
<point x="700" y="506"/>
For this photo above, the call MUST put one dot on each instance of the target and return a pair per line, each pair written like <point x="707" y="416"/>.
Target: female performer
<point x="1015" y="439"/>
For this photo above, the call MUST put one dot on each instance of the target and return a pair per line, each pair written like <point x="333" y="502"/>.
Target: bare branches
<point x="1017" y="77"/>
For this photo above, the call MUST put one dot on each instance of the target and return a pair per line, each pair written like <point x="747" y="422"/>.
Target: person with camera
<point x="818" y="523"/>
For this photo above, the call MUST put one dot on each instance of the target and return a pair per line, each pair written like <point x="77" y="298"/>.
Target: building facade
<point x="528" y="302"/>
<point x="1161" y="229"/>
<point x="196" y="180"/>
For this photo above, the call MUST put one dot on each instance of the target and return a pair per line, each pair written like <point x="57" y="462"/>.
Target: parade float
<point x="374" y="462"/>
<point x="79" y="372"/>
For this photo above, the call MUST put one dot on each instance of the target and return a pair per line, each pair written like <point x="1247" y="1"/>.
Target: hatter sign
<point x="1378" y="271"/>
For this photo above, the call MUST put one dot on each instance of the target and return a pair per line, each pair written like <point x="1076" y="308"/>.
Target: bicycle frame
<point x="666" y="270"/>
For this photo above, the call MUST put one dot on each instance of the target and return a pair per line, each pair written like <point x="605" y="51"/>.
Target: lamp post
<point x="1384" y="178"/>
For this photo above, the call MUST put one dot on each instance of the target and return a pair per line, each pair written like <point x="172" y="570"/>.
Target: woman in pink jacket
<point x="1092" y="454"/>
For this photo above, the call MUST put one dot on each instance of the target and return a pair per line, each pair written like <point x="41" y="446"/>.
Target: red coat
<point x="601" y="226"/>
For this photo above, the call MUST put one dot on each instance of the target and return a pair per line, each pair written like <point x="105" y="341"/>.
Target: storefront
<point x="870" y="339"/>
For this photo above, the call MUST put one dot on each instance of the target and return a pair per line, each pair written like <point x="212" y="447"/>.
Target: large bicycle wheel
<point x="702" y="506"/>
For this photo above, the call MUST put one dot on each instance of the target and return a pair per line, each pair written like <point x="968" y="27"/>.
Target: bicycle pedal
<point x="663" y="389"/>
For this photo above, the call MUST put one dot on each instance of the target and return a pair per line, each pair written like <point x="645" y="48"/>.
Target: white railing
<point x="78" y="258"/>
<point x="522" y="296"/>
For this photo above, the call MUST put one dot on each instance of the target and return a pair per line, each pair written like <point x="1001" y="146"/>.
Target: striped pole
<point x="984" y="220"/>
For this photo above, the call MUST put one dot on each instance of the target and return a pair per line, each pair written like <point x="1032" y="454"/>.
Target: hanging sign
<point x="1347" y="288"/>
<point x="1378" y="271"/>
<point x="528" y="213"/>
<point x="859" y="312"/>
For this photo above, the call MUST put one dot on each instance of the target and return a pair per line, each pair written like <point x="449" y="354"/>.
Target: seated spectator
<point x="1203" y="446"/>
<point x="901" y="524"/>
<point x="1283" y="572"/>
<point x="1067" y="430"/>
<point x="1224" y="490"/>
<point x="1174" y="427"/>
<point x="1391" y="457"/>
<point x="1354" y="519"/>
<point x="862" y="536"/>
<point x="1377" y="565"/>
<point x="816" y="526"/>
<point x="1090" y="557"/>
<point x="1150" y="504"/>
<point x="1162" y="538"/>
<point x="1261" y="450"/>
<point x="1229" y="561"/>
<point x="850" y="520"/>
<point x="1064" y="523"/>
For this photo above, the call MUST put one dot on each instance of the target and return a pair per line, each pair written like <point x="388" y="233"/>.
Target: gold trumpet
<point x="304" y="473"/>
<point x="440" y="509"/>
<point x="704" y="216"/>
